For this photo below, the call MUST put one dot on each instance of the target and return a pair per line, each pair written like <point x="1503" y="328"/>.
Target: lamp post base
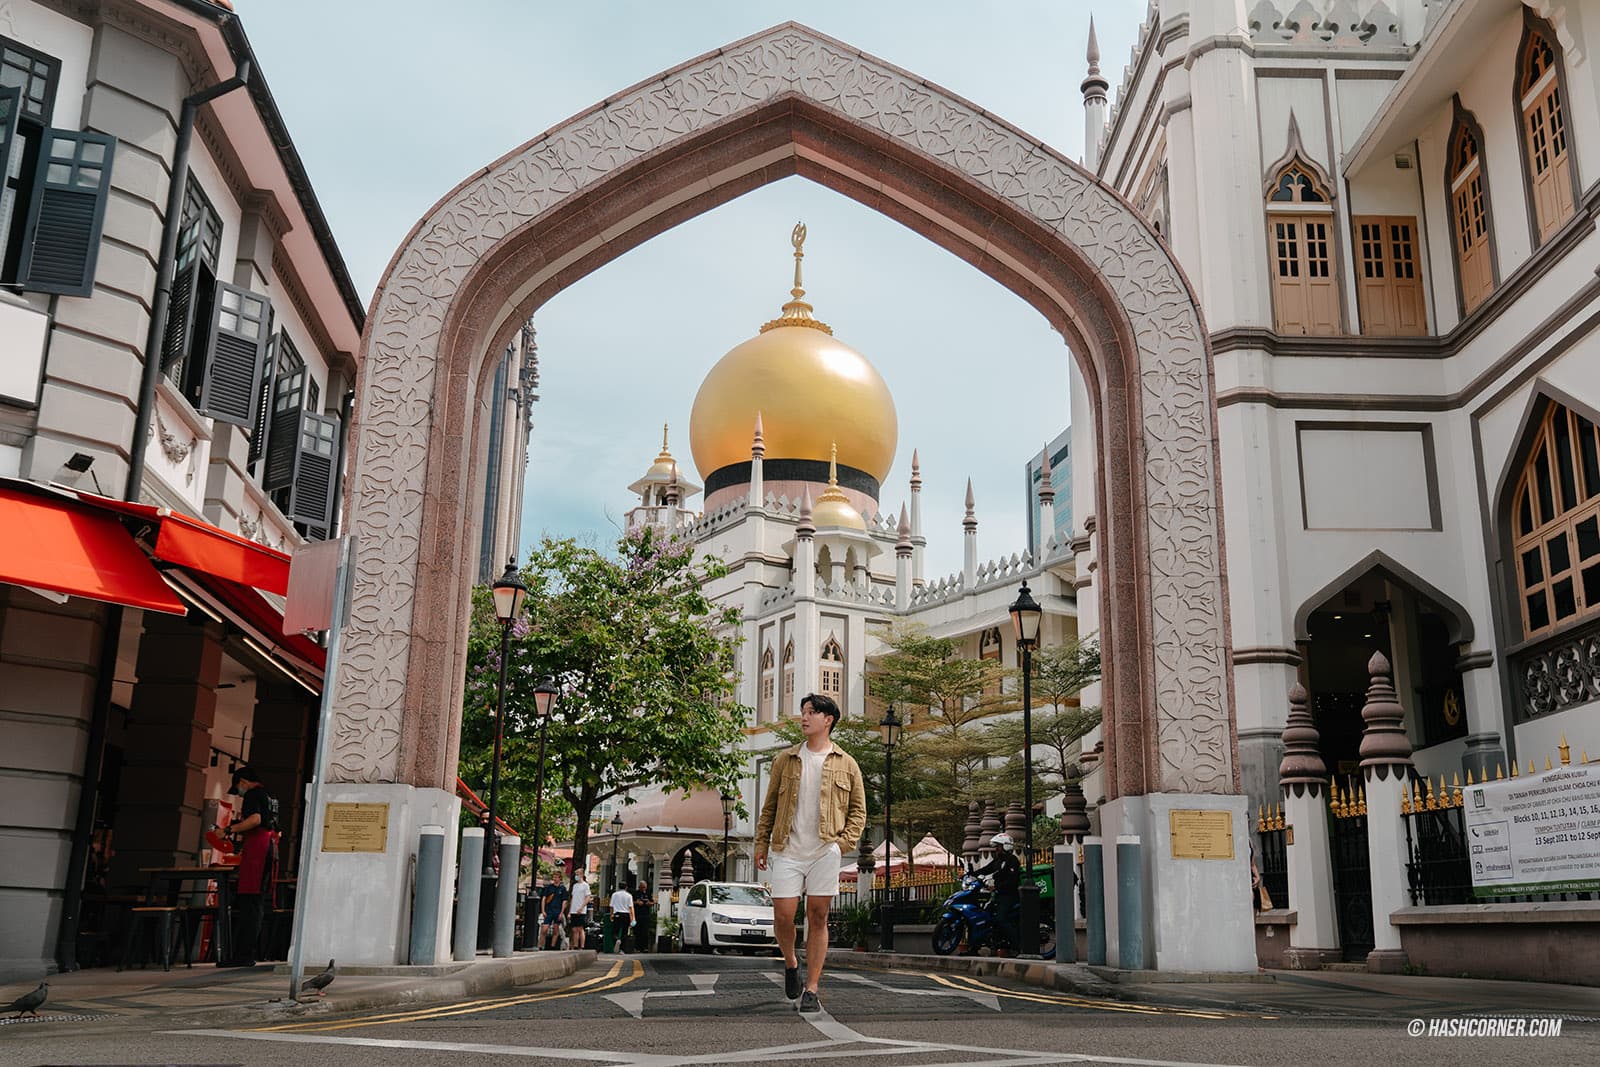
<point x="1028" y="919"/>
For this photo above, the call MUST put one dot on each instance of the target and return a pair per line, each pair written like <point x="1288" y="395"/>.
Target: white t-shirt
<point x="580" y="898"/>
<point x="621" y="901"/>
<point x="805" y="835"/>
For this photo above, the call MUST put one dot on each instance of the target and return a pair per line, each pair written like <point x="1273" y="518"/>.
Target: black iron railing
<point x="1272" y="857"/>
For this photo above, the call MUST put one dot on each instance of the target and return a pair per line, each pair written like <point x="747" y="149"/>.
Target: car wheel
<point x="705" y="940"/>
<point x="948" y="935"/>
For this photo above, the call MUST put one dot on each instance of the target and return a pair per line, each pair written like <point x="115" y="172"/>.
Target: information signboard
<point x="1538" y="834"/>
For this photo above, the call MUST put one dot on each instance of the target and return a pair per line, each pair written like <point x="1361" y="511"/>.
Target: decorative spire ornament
<point x="797" y="312"/>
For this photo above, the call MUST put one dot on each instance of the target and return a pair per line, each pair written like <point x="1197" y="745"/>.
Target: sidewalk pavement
<point x="1337" y="993"/>
<point x="208" y="994"/>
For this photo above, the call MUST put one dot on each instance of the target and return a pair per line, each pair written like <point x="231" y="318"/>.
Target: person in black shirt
<point x="1006" y="870"/>
<point x="256" y="829"/>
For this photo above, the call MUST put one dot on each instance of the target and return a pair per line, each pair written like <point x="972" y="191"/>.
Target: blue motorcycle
<point x="969" y="924"/>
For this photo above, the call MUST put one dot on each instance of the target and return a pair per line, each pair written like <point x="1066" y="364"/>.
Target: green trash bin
<point x="607" y="938"/>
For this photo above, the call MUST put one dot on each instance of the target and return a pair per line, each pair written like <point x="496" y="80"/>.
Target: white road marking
<point x="988" y="1000"/>
<point x="632" y="1001"/>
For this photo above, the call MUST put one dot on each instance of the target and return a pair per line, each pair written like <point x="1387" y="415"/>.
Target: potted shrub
<point x="672" y="933"/>
<point x="855" y="924"/>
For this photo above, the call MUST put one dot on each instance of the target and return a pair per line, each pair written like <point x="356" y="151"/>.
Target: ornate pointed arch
<point x="1296" y="178"/>
<point x="1467" y="196"/>
<point x="783" y="102"/>
<point x="1542" y="105"/>
<point x="1458" y="621"/>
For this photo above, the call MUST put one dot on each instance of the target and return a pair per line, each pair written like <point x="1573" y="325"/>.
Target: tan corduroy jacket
<point x="844" y="801"/>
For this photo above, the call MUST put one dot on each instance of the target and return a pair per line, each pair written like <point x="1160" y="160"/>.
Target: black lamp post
<point x="1025" y="614"/>
<point x="509" y="593"/>
<point x="890" y="727"/>
<point x="544" y="702"/>
<point x="728" y="801"/>
<point x="616" y="840"/>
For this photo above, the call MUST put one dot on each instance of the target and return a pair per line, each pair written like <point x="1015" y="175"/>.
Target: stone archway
<point x="787" y="101"/>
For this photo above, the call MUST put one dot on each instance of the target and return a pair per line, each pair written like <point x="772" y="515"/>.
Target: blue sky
<point x="392" y="104"/>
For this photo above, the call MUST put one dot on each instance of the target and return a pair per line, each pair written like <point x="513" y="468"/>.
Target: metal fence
<point x="1272" y="855"/>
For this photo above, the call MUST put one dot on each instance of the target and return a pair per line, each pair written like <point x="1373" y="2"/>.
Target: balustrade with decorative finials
<point x="1272" y="855"/>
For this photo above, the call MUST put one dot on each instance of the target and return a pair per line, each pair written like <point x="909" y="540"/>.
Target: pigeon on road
<point x="321" y="981"/>
<point x="30" y="1002"/>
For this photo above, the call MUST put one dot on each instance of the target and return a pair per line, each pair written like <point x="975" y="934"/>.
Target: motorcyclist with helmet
<point x="1006" y="870"/>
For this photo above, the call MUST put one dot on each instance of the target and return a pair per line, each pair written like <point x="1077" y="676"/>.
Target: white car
<point x="735" y="915"/>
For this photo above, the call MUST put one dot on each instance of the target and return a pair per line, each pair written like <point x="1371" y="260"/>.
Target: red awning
<point x="260" y="616"/>
<point x="52" y="542"/>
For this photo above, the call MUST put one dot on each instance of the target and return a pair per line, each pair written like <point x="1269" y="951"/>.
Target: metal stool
<point x="144" y="919"/>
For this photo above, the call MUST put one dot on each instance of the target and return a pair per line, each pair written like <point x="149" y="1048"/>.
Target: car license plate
<point x="753" y="935"/>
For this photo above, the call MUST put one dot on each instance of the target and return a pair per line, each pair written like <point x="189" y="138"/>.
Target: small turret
<point x="1094" y="103"/>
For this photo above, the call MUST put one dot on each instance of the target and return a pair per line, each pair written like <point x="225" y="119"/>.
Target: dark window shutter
<point x="236" y="355"/>
<point x="67" y="213"/>
<point x="10" y="108"/>
<point x="311" y="498"/>
<point x="283" y="427"/>
<point x="259" y="431"/>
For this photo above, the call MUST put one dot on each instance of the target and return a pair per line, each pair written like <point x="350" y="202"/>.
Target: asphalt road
<point x="657" y="1011"/>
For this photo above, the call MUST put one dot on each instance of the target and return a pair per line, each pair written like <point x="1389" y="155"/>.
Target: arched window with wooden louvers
<point x="788" y="674"/>
<point x="769" y="685"/>
<point x="831" y="674"/>
<point x="1469" y="214"/>
<point x="1300" y="237"/>
<point x="1555" y="523"/>
<point x="989" y="653"/>
<point x="1546" y="136"/>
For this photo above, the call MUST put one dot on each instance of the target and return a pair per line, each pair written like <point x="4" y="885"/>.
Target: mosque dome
<point x="812" y="392"/>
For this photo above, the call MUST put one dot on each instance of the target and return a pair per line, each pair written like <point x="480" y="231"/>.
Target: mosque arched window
<point x="769" y="680"/>
<point x="1546" y="136"/>
<point x="989" y="651"/>
<point x="788" y="673"/>
<point x="1300" y="234"/>
<point x="1555" y="523"/>
<point x="831" y="678"/>
<point x="1469" y="213"/>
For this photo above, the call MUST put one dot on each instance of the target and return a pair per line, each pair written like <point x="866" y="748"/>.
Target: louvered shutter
<point x="10" y="145"/>
<point x="259" y="431"/>
<point x="283" y="430"/>
<point x="67" y="213"/>
<point x="311" y="497"/>
<point x="235" y="355"/>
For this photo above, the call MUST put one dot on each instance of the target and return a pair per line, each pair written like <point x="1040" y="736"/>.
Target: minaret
<point x="969" y="548"/>
<point x="902" y="564"/>
<point x="918" y="542"/>
<point x="1047" y="507"/>
<point x="672" y="495"/>
<point x="1094" y="104"/>
<point x="758" y="450"/>
<point x="805" y="551"/>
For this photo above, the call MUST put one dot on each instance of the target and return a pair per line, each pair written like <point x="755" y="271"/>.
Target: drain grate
<point x="54" y="1018"/>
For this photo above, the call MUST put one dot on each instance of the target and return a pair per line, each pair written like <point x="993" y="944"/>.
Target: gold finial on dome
<point x="664" y="463"/>
<point x="833" y="508"/>
<point x="797" y="312"/>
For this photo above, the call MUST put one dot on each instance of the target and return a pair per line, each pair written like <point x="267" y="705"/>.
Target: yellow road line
<point x="481" y="1004"/>
<point x="447" y="1011"/>
<point x="1069" y="1000"/>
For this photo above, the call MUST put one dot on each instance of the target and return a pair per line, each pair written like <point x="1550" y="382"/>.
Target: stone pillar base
<point x="358" y="910"/>
<point x="1310" y="959"/>
<point x="1199" y="913"/>
<point x="1386" y="960"/>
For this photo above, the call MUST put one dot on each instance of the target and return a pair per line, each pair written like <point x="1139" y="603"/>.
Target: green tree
<point x="645" y="664"/>
<point x="1059" y="673"/>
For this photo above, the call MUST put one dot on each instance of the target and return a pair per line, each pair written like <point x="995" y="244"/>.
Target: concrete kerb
<point x="1106" y="982"/>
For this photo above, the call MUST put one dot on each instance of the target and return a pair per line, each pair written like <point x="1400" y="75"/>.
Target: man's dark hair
<point x="243" y="773"/>
<point x="823" y="706"/>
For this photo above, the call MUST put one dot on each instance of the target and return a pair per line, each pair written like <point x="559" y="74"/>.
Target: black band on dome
<point x="792" y="470"/>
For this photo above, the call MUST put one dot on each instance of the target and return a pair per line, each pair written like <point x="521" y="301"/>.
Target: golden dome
<point x="833" y="508"/>
<point x="810" y="389"/>
<point x="664" y="464"/>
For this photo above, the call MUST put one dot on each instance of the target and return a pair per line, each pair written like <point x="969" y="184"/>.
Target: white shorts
<point x="817" y="877"/>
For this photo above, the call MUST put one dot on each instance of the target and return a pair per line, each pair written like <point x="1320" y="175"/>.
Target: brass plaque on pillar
<point x="1201" y="834"/>
<point x="355" y="828"/>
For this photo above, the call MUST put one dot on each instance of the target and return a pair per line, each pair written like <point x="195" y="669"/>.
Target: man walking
<point x="621" y="917"/>
<point x="578" y="911"/>
<point x="815" y="806"/>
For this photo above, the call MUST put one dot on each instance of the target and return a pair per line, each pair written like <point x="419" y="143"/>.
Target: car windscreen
<point x="741" y="894"/>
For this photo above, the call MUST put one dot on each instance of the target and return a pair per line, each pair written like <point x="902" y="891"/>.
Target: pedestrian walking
<point x="578" y="912"/>
<point x="644" y="929"/>
<point x="621" y="917"/>
<point x="553" y="909"/>
<point x="815" y="807"/>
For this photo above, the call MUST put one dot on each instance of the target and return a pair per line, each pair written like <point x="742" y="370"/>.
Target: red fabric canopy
<point x="53" y="542"/>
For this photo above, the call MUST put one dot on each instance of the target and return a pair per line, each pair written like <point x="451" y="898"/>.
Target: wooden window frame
<point x="830" y="672"/>
<point x="989" y="648"/>
<point x="1544" y="515"/>
<point x="1466" y="186"/>
<point x="788" y="672"/>
<point x="1289" y="240"/>
<point x="1385" y="278"/>
<point x="769" y="685"/>
<point x="1548" y="95"/>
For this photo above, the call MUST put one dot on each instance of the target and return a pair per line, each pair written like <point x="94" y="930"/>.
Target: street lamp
<point x="544" y="702"/>
<point x="728" y="801"/>
<point x="616" y="839"/>
<point x="890" y="728"/>
<point x="1025" y="614"/>
<point x="509" y="593"/>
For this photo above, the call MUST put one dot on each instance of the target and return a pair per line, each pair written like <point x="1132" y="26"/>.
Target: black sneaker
<point x="809" y="1001"/>
<point x="791" y="983"/>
